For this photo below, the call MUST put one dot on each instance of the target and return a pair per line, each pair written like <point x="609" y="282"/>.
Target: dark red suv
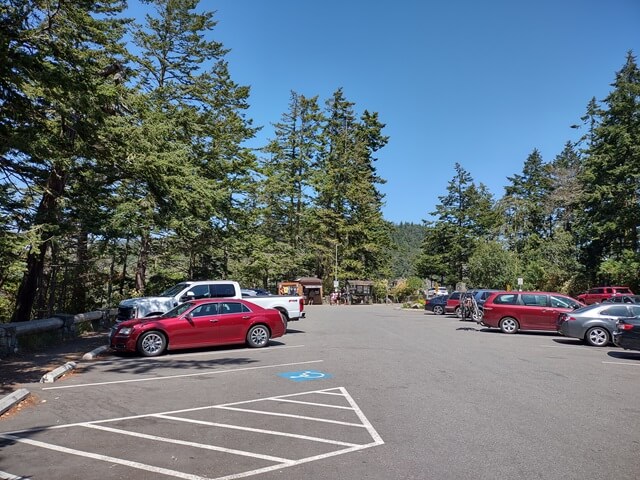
<point x="513" y="311"/>
<point x="600" y="294"/>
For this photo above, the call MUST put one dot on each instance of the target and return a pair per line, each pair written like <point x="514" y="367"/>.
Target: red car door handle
<point x="246" y="317"/>
<point x="213" y="321"/>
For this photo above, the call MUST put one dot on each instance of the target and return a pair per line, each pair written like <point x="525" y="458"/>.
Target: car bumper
<point x="625" y="342"/>
<point x="571" y="329"/>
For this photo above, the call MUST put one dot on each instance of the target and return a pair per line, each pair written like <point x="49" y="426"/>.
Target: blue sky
<point x="481" y="83"/>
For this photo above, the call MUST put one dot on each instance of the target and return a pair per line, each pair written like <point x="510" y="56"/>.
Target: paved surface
<point x="350" y="392"/>
<point x="28" y="366"/>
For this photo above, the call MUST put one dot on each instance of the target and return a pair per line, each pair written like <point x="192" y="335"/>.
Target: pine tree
<point x="56" y="84"/>
<point x="464" y="216"/>
<point x="611" y="175"/>
<point x="347" y="204"/>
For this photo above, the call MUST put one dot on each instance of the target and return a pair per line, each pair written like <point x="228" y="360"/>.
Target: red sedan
<point x="199" y="323"/>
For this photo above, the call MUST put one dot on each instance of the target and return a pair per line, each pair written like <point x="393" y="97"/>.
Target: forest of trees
<point x="124" y="170"/>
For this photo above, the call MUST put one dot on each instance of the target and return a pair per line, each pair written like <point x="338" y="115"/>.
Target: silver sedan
<point x="595" y="323"/>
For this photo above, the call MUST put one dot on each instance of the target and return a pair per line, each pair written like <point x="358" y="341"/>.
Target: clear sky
<point x="478" y="82"/>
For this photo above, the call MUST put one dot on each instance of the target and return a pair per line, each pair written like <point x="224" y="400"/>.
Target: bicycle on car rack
<point x="469" y="308"/>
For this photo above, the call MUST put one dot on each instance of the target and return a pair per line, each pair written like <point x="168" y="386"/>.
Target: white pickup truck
<point x="291" y="306"/>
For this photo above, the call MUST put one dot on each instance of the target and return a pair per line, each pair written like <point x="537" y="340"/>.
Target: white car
<point x="442" y="291"/>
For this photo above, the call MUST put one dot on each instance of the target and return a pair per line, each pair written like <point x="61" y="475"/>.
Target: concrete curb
<point x="95" y="352"/>
<point x="13" y="398"/>
<point x="16" y="397"/>
<point x="57" y="373"/>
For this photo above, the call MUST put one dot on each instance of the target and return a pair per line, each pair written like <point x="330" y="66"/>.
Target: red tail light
<point x="625" y="326"/>
<point x="302" y="304"/>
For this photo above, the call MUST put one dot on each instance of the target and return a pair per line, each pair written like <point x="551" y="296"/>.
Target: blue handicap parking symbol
<point x="304" y="375"/>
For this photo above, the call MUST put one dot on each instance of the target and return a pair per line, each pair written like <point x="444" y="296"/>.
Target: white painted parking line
<point x="289" y="415"/>
<point x="278" y="462"/>
<point x="623" y="363"/>
<point x="184" y="375"/>
<point x="308" y="403"/>
<point x="9" y="476"/>
<point x="188" y="444"/>
<point x="104" y="458"/>
<point x="257" y="430"/>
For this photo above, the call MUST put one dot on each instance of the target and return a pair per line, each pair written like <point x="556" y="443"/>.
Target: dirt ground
<point x="29" y="366"/>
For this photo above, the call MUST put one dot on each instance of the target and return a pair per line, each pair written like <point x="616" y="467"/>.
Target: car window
<point x="624" y="290"/>
<point x="222" y="290"/>
<point x="534" y="300"/>
<point x="616" y="311"/>
<point x="233" y="307"/>
<point x="507" y="298"/>
<point x="455" y="295"/>
<point x="557" y="301"/>
<point x="200" y="291"/>
<point x="205" y="309"/>
<point x="635" y="310"/>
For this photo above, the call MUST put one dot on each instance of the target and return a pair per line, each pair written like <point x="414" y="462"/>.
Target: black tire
<point x="151" y="344"/>
<point x="458" y="312"/>
<point x="597" y="337"/>
<point x="258" y="336"/>
<point x="438" y="310"/>
<point x="509" y="325"/>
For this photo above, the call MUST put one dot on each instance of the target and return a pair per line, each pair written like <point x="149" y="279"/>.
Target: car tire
<point x="258" y="336"/>
<point x="438" y="310"/>
<point x="597" y="337"/>
<point x="151" y="344"/>
<point x="458" y="312"/>
<point x="509" y="325"/>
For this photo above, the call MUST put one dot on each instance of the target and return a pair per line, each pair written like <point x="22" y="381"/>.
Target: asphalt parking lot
<point x="350" y="392"/>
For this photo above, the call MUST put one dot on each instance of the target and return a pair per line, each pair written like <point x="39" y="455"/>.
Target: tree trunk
<point x="79" y="300"/>
<point x="143" y="259"/>
<point x="46" y="217"/>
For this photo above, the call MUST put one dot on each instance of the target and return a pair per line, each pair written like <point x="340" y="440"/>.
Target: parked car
<point x="436" y="304"/>
<point x="623" y="299"/>
<point x="514" y="311"/>
<point x="627" y="333"/>
<point x="600" y="294"/>
<point x="595" y="323"/>
<point x="442" y="291"/>
<point x="453" y="303"/>
<point x="290" y="305"/>
<point x="199" y="323"/>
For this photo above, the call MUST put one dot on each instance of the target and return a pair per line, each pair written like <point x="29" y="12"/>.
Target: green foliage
<point x="464" y="217"/>
<point x="122" y="173"/>
<point x="406" y="239"/>
<point x="493" y="266"/>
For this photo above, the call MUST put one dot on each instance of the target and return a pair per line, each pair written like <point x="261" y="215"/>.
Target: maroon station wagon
<point x="513" y="311"/>
<point x="199" y="323"/>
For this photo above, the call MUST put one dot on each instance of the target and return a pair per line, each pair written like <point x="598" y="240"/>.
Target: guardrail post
<point x="68" y="326"/>
<point x="8" y="341"/>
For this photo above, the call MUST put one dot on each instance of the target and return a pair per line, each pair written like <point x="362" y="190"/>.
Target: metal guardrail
<point x="63" y="323"/>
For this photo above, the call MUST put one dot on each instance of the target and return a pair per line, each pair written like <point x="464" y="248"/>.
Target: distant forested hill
<point x="407" y="238"/>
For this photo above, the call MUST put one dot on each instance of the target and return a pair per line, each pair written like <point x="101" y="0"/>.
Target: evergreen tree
<point x="611" y="177"/>
<point x="527" y="215"/>
<point x="286" y="190"/>
<point x="56" y="85"/>
<point x="463" y="217"/>
<point x="347" y="204"/>
<point x="186" y="172"/>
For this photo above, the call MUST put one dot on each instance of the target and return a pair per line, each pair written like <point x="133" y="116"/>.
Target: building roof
<point x="309" y="281"/>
